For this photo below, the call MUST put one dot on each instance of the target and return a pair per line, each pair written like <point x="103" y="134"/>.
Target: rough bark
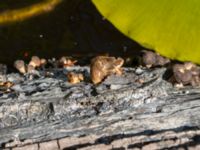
<point x="136" y="109"/>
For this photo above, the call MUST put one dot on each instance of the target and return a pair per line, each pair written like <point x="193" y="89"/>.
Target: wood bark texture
<point x="139" y="109"/>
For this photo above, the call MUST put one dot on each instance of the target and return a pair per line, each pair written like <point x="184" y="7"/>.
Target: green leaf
<point x="171" y="27"/>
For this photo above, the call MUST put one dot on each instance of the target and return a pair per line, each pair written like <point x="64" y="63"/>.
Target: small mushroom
<point x="43" y="61"/>
<point x="35" y="61"/>
<point x="151" y="59"/>
<point x="5" y="86"/>
<point x="182" y="75"/>
<point x="20" y="66"/>
<point x="187" y="73"/>
<point x="74" y="78"/>
<point x="67" y="62"/>
<point x="30" y="68"/>
<point x="161" y="61"/>
<point x="103" y="66"/>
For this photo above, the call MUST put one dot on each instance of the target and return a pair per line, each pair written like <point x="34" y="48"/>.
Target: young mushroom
<point x="8" y="84"/>
<point x="103" y="66"/>
<point x="187" y="73"/>
<point x="43" y="61"/>
<point x="20" y="66"/>
<point x="74" y="78"/>
<point x="151" y="59"/>
<point x="67" y="62"/>
<point x="30" y="69"/>
<point x="35" y="61"/>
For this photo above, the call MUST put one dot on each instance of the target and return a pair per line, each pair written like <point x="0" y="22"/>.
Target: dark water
<point x="74" y="28"/>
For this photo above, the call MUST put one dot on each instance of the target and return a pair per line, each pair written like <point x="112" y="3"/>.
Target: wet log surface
<point x="139" y="107"/>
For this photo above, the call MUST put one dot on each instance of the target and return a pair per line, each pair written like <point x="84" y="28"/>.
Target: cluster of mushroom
<point x="186" y="74"/>
<point x="100" y="68"/>
<point x="183" y="74"/>
<point x="34" y="63"/>
<point x="103" y="66"/>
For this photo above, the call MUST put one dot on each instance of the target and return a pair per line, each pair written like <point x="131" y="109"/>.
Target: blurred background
<point x="72" y="28"/>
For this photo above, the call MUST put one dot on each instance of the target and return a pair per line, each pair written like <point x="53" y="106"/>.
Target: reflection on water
<point x="73" y="28"/>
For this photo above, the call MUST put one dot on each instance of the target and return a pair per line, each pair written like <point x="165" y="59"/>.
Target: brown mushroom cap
<point x="35" y="61"/>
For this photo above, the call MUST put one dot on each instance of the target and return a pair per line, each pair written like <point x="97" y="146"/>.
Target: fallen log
<point x="136" y="110"/>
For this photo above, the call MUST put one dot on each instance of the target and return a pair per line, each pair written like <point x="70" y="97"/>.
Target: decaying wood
<point x="136" y="109"/>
